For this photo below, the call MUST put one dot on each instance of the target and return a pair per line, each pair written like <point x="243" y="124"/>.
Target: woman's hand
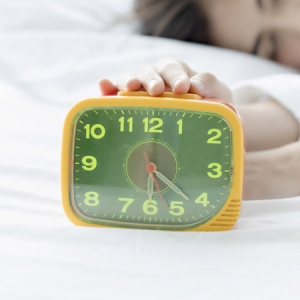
<point x="169" y="75"/>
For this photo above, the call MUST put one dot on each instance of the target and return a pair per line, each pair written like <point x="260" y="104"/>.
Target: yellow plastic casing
<point x="228" y="215"/>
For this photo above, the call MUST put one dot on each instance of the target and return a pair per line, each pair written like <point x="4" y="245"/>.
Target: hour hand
<point x="150" y="187"/>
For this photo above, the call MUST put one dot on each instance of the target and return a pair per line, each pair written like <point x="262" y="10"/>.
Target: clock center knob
<point x="150" y="167"/>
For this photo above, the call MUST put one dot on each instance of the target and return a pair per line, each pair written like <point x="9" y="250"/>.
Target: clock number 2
<point x="216" y="134"/>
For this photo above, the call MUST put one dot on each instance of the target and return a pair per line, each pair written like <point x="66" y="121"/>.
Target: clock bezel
<point x="228" y="215"/>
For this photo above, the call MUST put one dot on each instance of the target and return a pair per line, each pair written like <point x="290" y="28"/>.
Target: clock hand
<point x="150" y="187"/>
<point x="149" y="169"/>
<point x="168" y="182"/>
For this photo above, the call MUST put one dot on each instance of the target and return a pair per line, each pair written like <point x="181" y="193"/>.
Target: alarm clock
<point x="173" y="162"/>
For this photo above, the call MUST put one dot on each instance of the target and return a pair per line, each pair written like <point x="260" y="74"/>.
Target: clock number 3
<point x="216" y="170"/>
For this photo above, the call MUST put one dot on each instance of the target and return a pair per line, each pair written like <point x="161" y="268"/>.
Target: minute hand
<point x="168" y="182"/>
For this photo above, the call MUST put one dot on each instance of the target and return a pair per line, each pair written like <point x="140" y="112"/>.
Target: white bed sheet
<point x="52" y="54"/>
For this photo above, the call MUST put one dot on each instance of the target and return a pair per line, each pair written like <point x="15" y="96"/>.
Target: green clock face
<point x="150" y="167"/>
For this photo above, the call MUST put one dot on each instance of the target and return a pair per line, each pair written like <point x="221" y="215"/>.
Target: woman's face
<point x="268" y="28"/>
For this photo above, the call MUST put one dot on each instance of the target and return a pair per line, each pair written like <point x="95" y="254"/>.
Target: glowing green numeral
<point x="180" y="123"/>
<point x="122" y="124"/>
<point x="216" y="171"/>
<point x="89" y="163"/>
<point x="155" y="127"/>
<point x="214" y="139"/>
<point x="176" y="205"/>
<point x="126" y="205"/>
<point x="202" y="199"/>
<point x="97" y="131"/>
<point x="91" y="199"/>
<point x="150" y="207"/>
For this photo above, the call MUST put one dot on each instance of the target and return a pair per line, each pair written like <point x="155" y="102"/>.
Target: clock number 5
<point x="97" y="131"/>
<point x="216" y="170"/>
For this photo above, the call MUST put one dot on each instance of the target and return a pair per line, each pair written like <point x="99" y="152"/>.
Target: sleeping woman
<point x="270" y="106"/>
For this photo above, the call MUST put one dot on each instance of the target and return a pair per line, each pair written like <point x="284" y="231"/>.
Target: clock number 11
<point x="122" y="124"/>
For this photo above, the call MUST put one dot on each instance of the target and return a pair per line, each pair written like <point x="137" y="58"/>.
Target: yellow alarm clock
<point x="173" y="162"/>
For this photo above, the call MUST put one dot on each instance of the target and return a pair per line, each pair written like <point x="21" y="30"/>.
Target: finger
<point x="107" y="88"/>
<point x="208" y="86"/>
<point x="128" y="82"/>
<point x="150" y="80"/>
<point x="175" y="74"/>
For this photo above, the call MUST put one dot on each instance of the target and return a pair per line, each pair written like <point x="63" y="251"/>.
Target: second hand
<point x="150" y="170"/>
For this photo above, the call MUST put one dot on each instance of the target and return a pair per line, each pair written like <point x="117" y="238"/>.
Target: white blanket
<point x="52" y="54"/>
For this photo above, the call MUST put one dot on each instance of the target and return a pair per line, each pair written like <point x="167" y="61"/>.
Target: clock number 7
<point x="127" y="201"/>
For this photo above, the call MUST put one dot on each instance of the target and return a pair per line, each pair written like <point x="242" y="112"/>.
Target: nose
<point x="285" y="18"/>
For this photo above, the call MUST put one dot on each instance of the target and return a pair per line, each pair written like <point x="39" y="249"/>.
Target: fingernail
<point x="198" y="84"/>
<point x="152" y="84"/>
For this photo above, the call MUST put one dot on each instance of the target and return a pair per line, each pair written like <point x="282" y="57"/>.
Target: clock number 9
<point x="89" y="163"/>
<point x="216" y="171"/>
<point x="97" y="131"/>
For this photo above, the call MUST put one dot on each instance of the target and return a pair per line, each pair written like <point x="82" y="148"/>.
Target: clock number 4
<point x="202" y="199"/>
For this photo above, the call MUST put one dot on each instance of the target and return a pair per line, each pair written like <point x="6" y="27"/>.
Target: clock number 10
<point x="96" y="131"/>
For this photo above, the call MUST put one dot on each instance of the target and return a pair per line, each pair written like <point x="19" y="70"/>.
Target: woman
<point x="270" y="107"/>
<point x="269" y="28"/>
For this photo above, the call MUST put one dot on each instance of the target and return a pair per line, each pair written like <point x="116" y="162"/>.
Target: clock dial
<point x="150" y="167"/>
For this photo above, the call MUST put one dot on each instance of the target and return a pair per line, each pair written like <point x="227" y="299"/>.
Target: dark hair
<point x="177" y="19"/>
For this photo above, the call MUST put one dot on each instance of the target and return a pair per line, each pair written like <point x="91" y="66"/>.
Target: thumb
<point x="209" y="86"/>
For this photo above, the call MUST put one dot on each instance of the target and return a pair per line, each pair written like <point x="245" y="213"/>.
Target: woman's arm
<point x="273" y="155"/>
<point x="267" y="125"/>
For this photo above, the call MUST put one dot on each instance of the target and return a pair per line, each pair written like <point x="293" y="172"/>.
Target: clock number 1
<point x="179" y="123"/>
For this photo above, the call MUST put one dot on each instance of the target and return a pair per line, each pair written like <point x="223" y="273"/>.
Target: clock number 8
<point x="91" y="199"/>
